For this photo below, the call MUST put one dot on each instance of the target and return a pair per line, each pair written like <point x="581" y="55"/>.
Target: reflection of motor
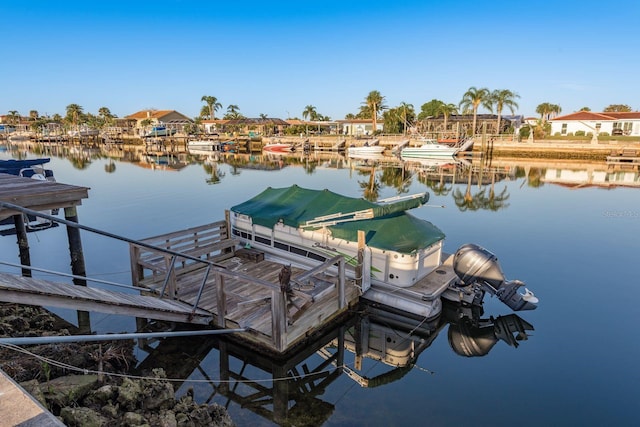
<point x="476" y="265"/>
<point x="471" y="336"/>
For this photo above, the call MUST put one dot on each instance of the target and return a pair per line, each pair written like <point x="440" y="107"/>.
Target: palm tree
<point x="504" y="98"/>
<point x="14" y="117"/>
<point x="375" y="102"/>
<point x="309" y="112"/>
<point x="233" y="112"/>
<point x="33" y="114"/>
<point x="546" y="110"/>
<point x="105" y="115"/>
<point x="446" y="110"/>
<point x="74" y="112"/>
<point x="407" y="114"/>
<point x="212" y="104"/>
<point x="472" y="99"/>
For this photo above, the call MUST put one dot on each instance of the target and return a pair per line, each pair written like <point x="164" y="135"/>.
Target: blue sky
<point x="275" y="58"/>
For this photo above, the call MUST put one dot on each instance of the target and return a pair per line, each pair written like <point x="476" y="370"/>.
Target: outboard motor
<point x="475" y="265"/>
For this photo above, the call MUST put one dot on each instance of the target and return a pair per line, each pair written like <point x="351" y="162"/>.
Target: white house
<point x="597" y="123"/>
<point x="359" y="127"/>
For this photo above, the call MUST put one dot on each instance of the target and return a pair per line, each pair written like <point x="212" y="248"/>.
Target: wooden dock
<point x="30" y="291"/>
<point x="38" y="195"/>
<point x="624" y="159"/>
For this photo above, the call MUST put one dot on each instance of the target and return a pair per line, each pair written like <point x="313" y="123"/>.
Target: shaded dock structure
<point x="198" y="276"/>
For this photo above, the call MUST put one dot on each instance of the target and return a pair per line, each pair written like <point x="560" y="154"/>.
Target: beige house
<point x="170" y="118"/>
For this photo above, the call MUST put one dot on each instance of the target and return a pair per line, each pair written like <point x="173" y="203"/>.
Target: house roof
<point x="257" y="121"/>
<point x="592" y="116"/>
<point x="151" y="114"/>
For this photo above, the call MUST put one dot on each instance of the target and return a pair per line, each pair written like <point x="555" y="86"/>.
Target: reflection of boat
<point x="398" y="341"/>
<point x="373" y="347"/>
<point x="278" y="147"/>
<point x="429" y="148"/>
<point x="401" y="254"/>
<point x="159" y="131"/>
<point x="34" y="169"/>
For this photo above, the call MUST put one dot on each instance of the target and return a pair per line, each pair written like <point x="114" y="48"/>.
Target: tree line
<point x="398" y="119"/>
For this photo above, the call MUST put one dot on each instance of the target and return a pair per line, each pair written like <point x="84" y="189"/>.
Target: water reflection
<point x="289" y="391"/>
<point x="473" y="184"/>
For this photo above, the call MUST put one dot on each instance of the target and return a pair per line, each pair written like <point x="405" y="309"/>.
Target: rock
<point x="129" y="394"/>
<point x="164" y="419"/>
<point x="219" y="416"/>
<point x="105" y="394"/>
<point x="110" y="410"/>
<point x="133" y="419"/>
<point x="33" y="388"/>
<point x="65" y="391"/>
<point x="82" y="417"/>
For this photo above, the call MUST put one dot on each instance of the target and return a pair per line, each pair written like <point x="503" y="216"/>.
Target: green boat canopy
<point x="387" y="227"/>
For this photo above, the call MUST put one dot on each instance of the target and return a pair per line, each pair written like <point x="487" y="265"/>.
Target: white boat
<point x="429" y="149"/>
<point x="402" y="255"/>
<point x="207" y="146"/>
<point x="82" y="132"/>
<point x="371" y="150"/>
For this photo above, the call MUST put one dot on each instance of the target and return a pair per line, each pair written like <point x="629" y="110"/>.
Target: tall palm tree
<point x="546" y="109"/>
<point x="473" y="98"/>
<point x="309" y="112"/>
<point x="74" y="112"/>
<point x="105" y="115"/>
<point x="212" y="104"/>
<point x="504" y="98"/>
<point x="408" y="115"/>
<point x="375" y="102"/>
<point x="446" y="110"/>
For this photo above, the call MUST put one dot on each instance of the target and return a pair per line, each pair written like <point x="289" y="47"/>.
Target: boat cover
<point x="13" y="166"/>
<point x="390" y="228"/>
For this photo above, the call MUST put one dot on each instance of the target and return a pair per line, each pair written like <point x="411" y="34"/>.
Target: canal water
<point x="570" y="230"/>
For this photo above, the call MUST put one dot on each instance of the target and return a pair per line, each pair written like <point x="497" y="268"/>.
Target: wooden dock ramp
<point x="30" y="291"/>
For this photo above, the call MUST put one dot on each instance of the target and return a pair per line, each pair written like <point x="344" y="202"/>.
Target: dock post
<point x="23" y="244"/>
<point x="341" y="284"/>
<point x="360" y="260"/>
<point x="278" y="317"/>
<point x="77" y="263"/>
<point x="75" y="247"/>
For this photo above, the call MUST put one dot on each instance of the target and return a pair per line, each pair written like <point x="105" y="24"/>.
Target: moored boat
<point x="160" y="131"/>
<point x="34" y="169"/>
<point x="402" y="255"/>
<point x="278" y="147"/>
<point x="375" y="150"/>
<point x="429" y="149"/>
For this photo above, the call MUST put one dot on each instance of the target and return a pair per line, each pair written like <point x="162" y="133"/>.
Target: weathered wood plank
<point x="32" y="291"/>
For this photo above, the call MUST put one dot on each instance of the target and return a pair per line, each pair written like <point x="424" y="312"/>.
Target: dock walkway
<point x="30" y="291"/>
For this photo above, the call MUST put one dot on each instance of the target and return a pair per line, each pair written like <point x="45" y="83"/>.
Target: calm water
<point x="574" y="244"/>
